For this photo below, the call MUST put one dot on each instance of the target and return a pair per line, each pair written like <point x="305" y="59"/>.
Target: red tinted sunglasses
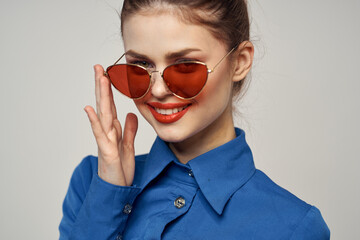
<point x="185" y="80"/>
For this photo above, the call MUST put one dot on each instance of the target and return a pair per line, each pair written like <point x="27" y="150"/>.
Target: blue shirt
<point x="217" y="195"/>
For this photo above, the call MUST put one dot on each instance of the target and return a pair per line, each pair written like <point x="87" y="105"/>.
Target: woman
<point x="187" y="60"/>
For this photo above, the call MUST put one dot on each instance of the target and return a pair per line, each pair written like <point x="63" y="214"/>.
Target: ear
<point x="243" y="59"/>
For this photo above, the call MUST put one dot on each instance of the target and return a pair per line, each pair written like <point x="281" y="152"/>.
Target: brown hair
<point x="227" y="20"/>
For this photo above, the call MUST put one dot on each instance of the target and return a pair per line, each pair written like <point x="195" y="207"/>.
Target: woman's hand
<point x="116" y="155"/>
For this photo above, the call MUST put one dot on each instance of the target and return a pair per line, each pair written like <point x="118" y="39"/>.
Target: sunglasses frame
<point x="209" y="70"/>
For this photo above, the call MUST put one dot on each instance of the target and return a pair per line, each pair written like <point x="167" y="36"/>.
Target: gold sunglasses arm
<point x="211" y="70"/>
<point x="119" y="59"/>
<point x="105" y="72"/>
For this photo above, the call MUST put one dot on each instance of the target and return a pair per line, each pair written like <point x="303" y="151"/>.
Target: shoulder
<point x="83" y="173"/>
<point x="312" y="226"/>
<point x="264" y="187"/>
<point x="281" y="211"/>
<point x="88" y="165"/>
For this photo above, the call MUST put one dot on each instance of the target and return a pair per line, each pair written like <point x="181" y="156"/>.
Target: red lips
<point x="173" y="117"/>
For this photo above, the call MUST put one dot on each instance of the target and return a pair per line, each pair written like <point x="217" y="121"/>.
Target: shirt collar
<point x="223" y="170"/>
<point x="219" y="172"/>
<point x="157" y="160"/>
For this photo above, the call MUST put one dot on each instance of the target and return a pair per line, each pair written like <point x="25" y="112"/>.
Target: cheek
<point x="218" y="89"/>
<point x="141" y="106"/>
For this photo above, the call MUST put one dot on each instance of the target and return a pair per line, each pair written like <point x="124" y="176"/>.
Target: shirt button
<point x="119" y="237"/>
<point x="127" y="209"/>
<point x="179" y="202"/>
<point x="190" y="172"/>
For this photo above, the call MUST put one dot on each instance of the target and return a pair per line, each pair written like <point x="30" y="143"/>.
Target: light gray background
<point x="301" y="113"/>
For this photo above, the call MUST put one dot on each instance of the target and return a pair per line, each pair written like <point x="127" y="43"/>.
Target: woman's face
<point x="157" y="37"/>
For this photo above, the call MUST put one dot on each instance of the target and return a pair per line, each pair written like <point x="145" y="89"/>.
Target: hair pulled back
<point x="228" y="20"/>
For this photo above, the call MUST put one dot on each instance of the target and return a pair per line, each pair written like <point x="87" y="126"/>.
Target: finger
<point x="113" y="107"/>
<point x="128" y="151"/>
<point x="131" y="126"/>
<point x="118" y="128"/>
<point x="105" y="111"/>
<point x="99" y="71"/>
<point x="96" y="127"/>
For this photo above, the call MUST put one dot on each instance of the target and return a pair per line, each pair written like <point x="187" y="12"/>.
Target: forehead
<point x="163" y="32"/>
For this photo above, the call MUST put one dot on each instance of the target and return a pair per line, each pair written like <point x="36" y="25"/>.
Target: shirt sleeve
<point x="312" y="227"/>
<point x="93" y="208"/>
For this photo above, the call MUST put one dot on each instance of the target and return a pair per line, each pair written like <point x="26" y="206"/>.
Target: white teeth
<point x="169" y="111"/>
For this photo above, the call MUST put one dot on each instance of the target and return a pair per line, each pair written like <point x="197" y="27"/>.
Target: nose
<point x="159" y="88"/>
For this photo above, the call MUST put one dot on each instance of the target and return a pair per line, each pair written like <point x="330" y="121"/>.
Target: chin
<point x="171" y="134"/>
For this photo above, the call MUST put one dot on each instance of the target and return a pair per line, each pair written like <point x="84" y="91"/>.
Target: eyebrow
<point x="168" y="56"/>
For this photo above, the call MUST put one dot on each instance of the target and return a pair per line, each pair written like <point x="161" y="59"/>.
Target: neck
<point x="218" y="133"/>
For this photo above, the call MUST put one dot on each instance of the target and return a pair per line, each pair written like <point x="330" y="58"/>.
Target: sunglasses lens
<point x="186" y="79"/>
<point x="132" y="81"/>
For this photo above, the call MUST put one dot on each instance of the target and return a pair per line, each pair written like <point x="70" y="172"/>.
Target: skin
<point x="208" y="122"/>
